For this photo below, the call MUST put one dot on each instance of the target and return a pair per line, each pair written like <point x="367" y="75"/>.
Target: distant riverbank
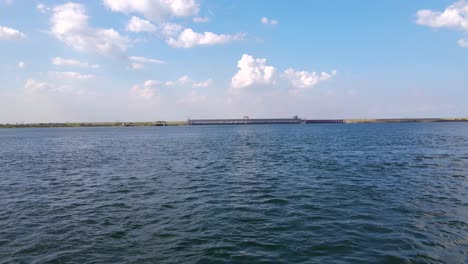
<point x="184" y="123"/>
<point x="94" y="124"/>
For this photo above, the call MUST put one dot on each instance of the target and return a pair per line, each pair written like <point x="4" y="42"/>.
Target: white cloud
<point x="146" y="91"/>
<point x="170" y="29"/>
<point x="454" y="17"/>
<point x="7" y="33"/>
<point x="256" y="72"/>
<point x="155" y="10"/>
<point x="42" y="8"/>
<point x="189" y="38"/>
<point x="203" y="84"/>
<point x="70" y="76"/>
<point x="252" y="71"/>
<point x="303" y="79"/>
<point x="463" y="43"/>
<point x="138" y="62"/>
<point x="21" y="65"/>
<point x="201" y="19"/>
<point x="69" y="24"/>
<point x="174" y="34"/>
<point x="140" y="59"/>
<point x="137" y="24"/>
<point x="151" y="83"/>
<point x="181" y="81"/>
<point x="186" y="80"/>
<point x="32" y="87"/>
<point x="166" y="29"/>
<point x="58" y="61"/>
<point x="268" y="21"/>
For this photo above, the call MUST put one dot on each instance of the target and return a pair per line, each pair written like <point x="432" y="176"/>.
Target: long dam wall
<point x="296" y="120"/>
<point x="198" y="122"/>
<point x="248" y="121"/>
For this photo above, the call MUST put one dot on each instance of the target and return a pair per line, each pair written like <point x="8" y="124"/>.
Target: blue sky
<point x="169" y="60"/>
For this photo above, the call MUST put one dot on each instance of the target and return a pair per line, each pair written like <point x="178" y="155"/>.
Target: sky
<point x="148" y="60"/>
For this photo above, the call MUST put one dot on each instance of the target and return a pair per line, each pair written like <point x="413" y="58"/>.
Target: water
<point x="364" y="193"/>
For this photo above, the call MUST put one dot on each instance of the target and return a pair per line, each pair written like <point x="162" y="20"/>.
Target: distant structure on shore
<point x="296" y="120"/>
<point x="248" y="121"/>
<point x="243" y="121"/>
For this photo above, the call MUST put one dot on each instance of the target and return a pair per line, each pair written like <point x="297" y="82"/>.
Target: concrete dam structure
<point x="263" y="121"/>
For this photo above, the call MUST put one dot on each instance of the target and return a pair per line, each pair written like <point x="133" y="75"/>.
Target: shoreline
<point x="186" y="123"/>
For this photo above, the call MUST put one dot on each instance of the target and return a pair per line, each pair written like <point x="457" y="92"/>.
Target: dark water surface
<point x="363" y="193"/>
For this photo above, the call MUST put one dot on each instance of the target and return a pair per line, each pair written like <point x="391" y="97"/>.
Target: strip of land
<point x="95" y="124"/>
<point x="232" y="122"/>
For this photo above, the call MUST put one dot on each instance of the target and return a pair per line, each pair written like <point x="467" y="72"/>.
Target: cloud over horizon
<point x="189" y="38"/>
<point x="268" y="21"/>
<point x="7" y="33"/>
<point x="155" y="10"/>
<point x="69" y="24"/>
<point x="254" y="71"/>
<point x="453" y="17"/>
<point x="58" y="61"/>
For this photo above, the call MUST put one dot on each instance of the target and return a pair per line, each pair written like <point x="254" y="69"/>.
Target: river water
<point x="343" y="193"/>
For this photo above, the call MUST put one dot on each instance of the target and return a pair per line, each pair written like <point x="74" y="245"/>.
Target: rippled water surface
<point x="363" y="193"/>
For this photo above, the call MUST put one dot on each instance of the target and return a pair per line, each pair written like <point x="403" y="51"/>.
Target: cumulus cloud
<point x="137" y="24"/>
<point x="70" y="75"/>
<point x="58" y="61"/>
<point x="7" y="33"/>
<point x="252" y="72"/>
<point x="146" y="91"/>
<point x="170" y="29"/>
<point x="140" y="59"/>
<point x="42" y="8"/>
<point x="151" y="83"/>
<point x="201" y="19"/>
<point x="33" y="86"/>
<point x="268" y="21"/>
<point x="155" y="10"/>
<point x="453" y="17"/>
<point x="302" y="79"/>
<point x="189" y="38"/>
<point x="181" y="81"/>
<point x="166" y="29"/>
<point x="21" y="65"/>
<point x="69" y="24"/>
<point x="174" y="34"/>
<point x="138" y="62"/>
<point x="186" y="80"/>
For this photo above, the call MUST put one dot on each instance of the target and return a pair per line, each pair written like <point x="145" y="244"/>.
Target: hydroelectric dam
<point x="263" y="121"/>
